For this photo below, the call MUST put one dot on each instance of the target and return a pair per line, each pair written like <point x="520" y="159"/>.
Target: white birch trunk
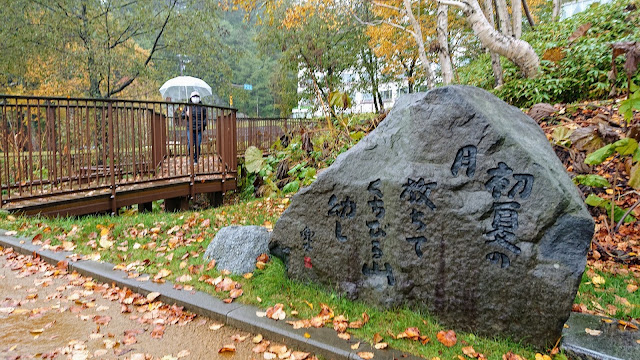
<point x="556" y="10"/>
<point x="516" y="50"/>
<point x="503" y="16"/>
<point x="516" y="17"/>
<point x="495" y="58"/>
<point x="417" y="35"/>
<point x="443" y="42"/>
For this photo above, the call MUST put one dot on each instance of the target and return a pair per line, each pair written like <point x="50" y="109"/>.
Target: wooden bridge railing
<point x="263" y="132"/>
<point x="52" y="146"/>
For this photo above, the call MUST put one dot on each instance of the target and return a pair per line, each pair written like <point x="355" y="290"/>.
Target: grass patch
<point x="608" y="292"/>
<point x="176" y="242"/>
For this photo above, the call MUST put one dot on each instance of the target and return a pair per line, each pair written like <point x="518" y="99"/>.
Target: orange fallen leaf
<point x="632" y="288"/>
<point x="239" y="338"/>
<point x="381" y="345"/>
<point x="377" y="338"/>
<point x="469" y="351"/>
<point x="365" y="355"/>
<point x="261" y="347"/>
<point x="447" y="338"/>
<point x="355" y="346"/>
<point x="227" y="348"/>
<point x="511" y="356"/>
<point x="152" y="296"/>
<point x="344" y="336"/>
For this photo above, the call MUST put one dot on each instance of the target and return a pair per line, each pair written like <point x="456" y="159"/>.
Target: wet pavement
<point x="47" y="313"/>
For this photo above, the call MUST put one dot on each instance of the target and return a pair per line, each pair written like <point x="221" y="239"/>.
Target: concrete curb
<point x="323" y="342"/>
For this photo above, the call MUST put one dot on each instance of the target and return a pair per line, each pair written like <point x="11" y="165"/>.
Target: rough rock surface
<point x="235" y="248"/>
<point x="456" y="203"/>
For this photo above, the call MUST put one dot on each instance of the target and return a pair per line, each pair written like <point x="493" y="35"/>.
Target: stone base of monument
<point x="608" y="341"/>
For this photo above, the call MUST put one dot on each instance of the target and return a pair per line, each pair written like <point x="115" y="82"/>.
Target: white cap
<point x="194" y="93"/>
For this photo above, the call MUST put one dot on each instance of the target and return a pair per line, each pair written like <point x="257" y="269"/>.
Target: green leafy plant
<point x="591" y="180"/>
<point x="618" y="212"/>
<point x="632" y="103"/>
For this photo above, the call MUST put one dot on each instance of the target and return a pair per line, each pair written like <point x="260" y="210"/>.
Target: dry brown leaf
<point x="344" y="336"/>
<point x="235" y="293"/>
<point x="632" y="288"/>
<point x="278" y="349"/>
<point x="447" y="338"/>
<point x="511" y="356"/>
<point x="299" y="355"/>
<point x="365" y="355"/>
<point x="216" y="326"/>
<point x="355" y="346"/>
<point x="469" y="351"/>
<point x="261" y="347"/>
<point x="593" y="332"/>
<point x="257" y="339"/>
<point x="152" y="296"/>
<point x="183" y="353"/>
<point x="227" y="348"/>
<point x="269" y="355"/>
<point x="381" y="345"/>
<point x="377" y="338"/>
<point x="239" y="338"/>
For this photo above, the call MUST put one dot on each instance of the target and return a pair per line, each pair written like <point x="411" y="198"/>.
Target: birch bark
<point x="443" y="42"/>
<point x="516" y="50"/>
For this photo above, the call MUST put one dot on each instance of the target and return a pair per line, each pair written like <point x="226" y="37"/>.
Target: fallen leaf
<point x="184" y="278"/>
<point x="632" y="288"/>
<point x="269" y="355"/>
<point x="511" y="356"/>
<point x="183" y="353"/>
<point x="377" y="338"/>
<point x="299" y="355"/>
<point x="36" y="331"/>
<point x="247" y="276"/>
<point x="257" y="339"/>
<point x="469" y="351"/>
<point x="102" y="319"/>
<point x="592" y="332"/>
<point x="239" y="338"/>
<point x="381" y="345"/>
<point x="355" y="346"/>
<point x="598" y="280"/>
<point x="152" y="296"/>
<point x="261" y="347"/>
<point x="235" y="293"/>
<point x="216" y="326"/>
<point x="447" y="338"/>
<point x="227" y="348"/>
<point x="344" y="336"/>
<point x="365" y="355"/>
<point x="162" y="274"/>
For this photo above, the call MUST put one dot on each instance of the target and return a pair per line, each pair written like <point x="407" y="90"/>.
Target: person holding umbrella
<point x="196" y="114"/>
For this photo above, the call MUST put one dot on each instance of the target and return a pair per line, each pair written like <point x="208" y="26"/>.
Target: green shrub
<point x="581" y="73"/>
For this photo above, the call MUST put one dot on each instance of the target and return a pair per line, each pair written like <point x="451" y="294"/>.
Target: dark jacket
<point x="198" y="116"/>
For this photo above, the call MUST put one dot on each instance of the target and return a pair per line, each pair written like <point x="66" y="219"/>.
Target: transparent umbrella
<point x="179" y="88"/>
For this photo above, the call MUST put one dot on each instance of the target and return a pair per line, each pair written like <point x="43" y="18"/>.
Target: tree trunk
<point x="516" y="18"/>
<point x="516" y="50"/>
<point x="417" y="35"/>
<point x="528" y="13"/>
<point x="556" y="10"/>
<point x="503" y="17"/>
<point x="495" y="58"/>
<point x="443" y="41"/>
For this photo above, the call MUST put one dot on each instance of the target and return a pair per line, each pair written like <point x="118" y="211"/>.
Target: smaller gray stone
<point x="235" y="248"/>
<point x="611" y="344"/>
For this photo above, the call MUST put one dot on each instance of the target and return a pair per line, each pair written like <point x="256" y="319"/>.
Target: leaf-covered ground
<point x="610" y="283"/>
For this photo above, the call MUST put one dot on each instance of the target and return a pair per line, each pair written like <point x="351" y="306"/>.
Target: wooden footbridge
<point x="73" y="156"/>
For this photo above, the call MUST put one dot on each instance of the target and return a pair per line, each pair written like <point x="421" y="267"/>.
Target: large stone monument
<point x="456" y="203"/>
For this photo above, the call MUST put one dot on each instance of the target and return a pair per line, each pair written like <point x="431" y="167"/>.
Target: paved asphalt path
<point x="46" y="313"/>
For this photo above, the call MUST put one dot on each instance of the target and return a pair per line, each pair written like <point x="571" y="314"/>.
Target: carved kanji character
<point x="499" y="259"/>
<point x="416" y="218"/>
<point x="524" y="185"/>
<point x="416" y="191"/>
<point x="466" y="157"/>
<point x="342" y="209"/>
<point x="505" y="224"/>
<point x="417" y="244"/>
<point x="499" y="179"/>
